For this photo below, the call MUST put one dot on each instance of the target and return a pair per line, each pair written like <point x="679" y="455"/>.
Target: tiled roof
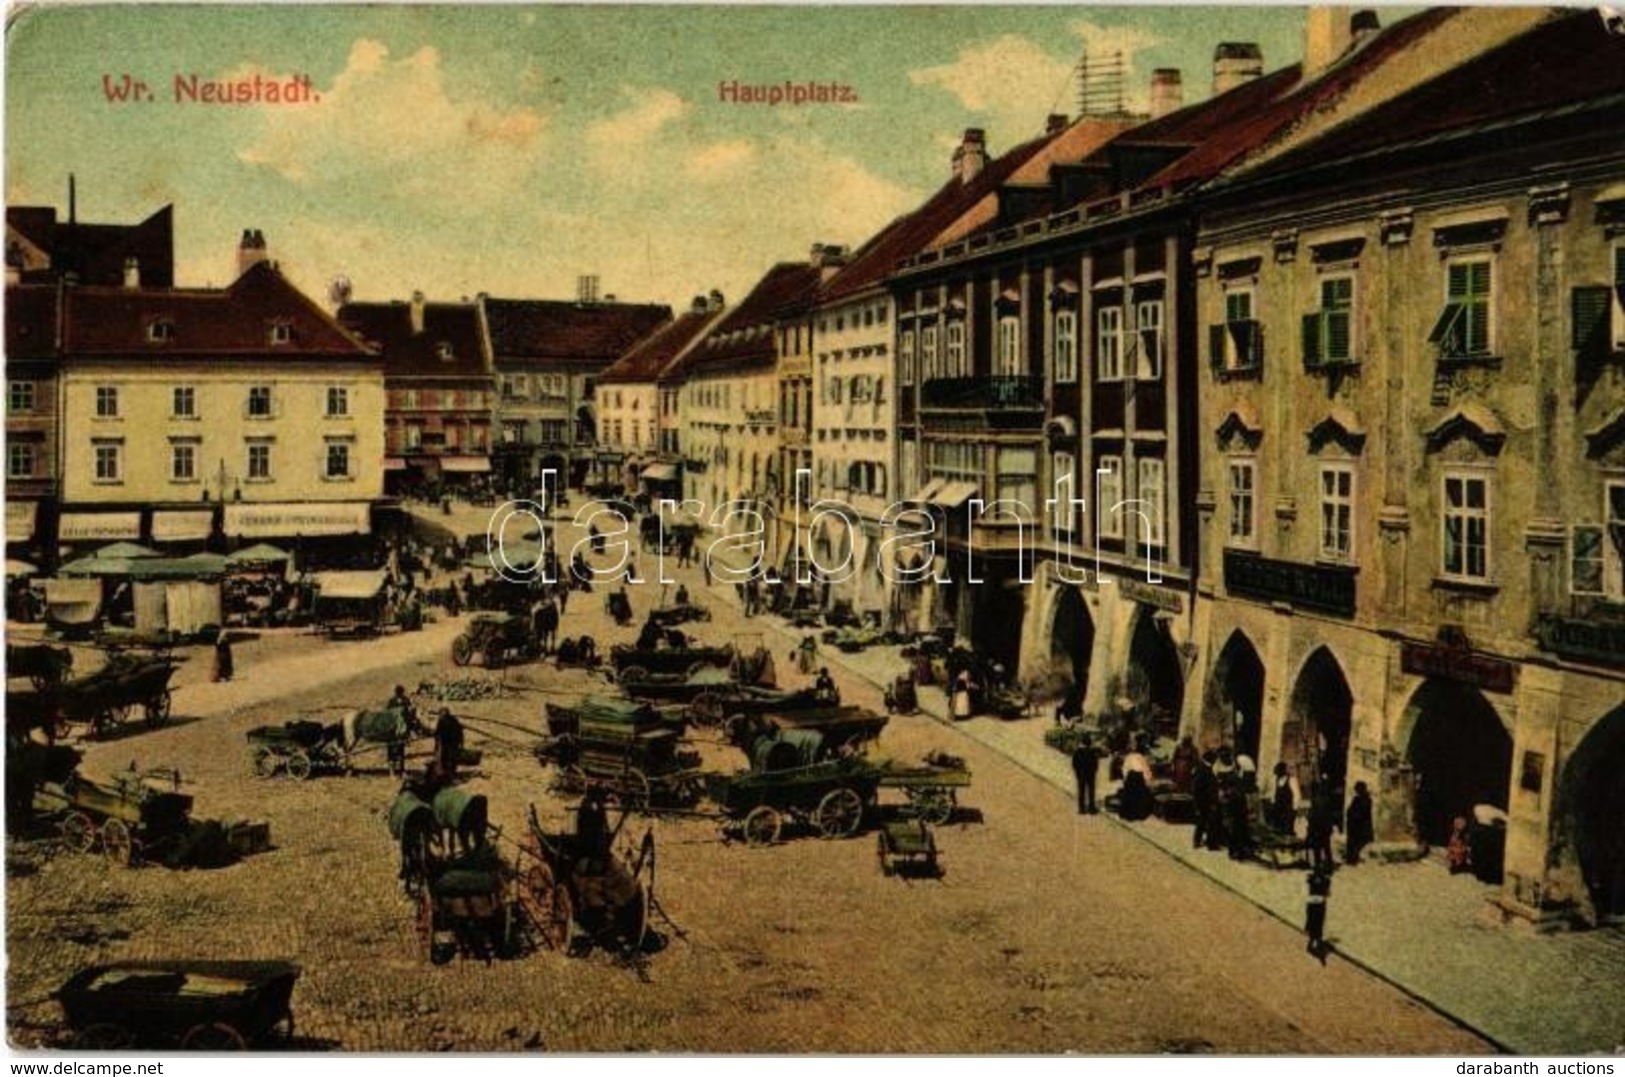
<point x="1569" y="60"/>
<point x="649" y="357"/>
<point x="746" y="333"/>
<point x="31" y="321"/>
<point x="236" y="320"/>
<point x="452" y="344"/>
<point x="556" y="329"/>
<point x="96" y="252"/>
<point x="910" y="233"/>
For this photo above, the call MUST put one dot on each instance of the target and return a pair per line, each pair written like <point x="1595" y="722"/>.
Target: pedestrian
<point x="448" y="744"/>
<point x="1085" y="764"/>
<point x="1183" y="765"/>
<point x="1284" y="805"/>
<point x="825" y="688"/>
<point x="1322" y="821"/>
<point x="705" y="568"/>
<point x="1237" y="819"/>
<point x="224" y="666"/>
<point x="1314" y="913"/>
<point x="1205" y="791"/>
<point x="1358" y="831"/>
<point x="962" y="695"/>
<point x="1459" y="850"/>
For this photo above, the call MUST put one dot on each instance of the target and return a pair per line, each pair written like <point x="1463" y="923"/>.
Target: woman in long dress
<point x="223" y="665"/>
<point x="962" y="695"/>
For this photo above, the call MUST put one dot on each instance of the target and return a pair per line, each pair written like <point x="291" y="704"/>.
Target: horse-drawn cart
<point x="497" y="638"/>
<point x="41" y="663"/>
<point x="132" y="819"/>
<point x="571" y="882"/>
<point x="931" y="788"/>
<point x="197" y="1005"/>
<point x="302" y="749"/>
<point x="107" y="698"/>
<point x="833" y="797"/>
<point x="634" y="663"/>
<point x="635" y="754"/>
<point x="907" y="847"/>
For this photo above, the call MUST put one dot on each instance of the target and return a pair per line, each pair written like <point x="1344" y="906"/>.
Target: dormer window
<point x="281" y="333"/>
<point x="443" y="352"/>
<point x="160" y="331"/>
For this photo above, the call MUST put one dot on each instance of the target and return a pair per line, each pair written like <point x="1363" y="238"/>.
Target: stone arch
<point x="1233" y="712"/>
<point x="1154" y="677"/>
<point x="1589" y="809"/>
<point x="1319" y="722"/>
<point x="1071" y="638"/>
<point x="1460" y="751"/>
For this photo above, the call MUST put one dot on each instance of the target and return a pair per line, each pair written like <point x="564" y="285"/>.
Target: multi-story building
<point x="729" y="409"/>
<point x="795" y="464"/>
<point x="1058" y="351"/>
<point x="32" y="360"/>
<point x="1412" y="494"/>
<point x="437" y="374"/>
<point x="548" y="354"/>
<point x="629" y="401"/>
<point x="40" y="248"/>
<point x="245" y="413"/>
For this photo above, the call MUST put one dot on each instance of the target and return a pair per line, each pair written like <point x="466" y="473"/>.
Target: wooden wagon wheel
<point x="158" y="709"/>
<point x="933" y="803"/>
<point x="78" y="831"/>
<point x="633" y="674"/>
<point x="839" y="813"/>
<point x="103" y="1036"/>
<point x="634" y="791"/>
<point x="218" y="1036"/>
<point x="462" y="651"/>
<point x="298" y="764"/>
<point x="632" y="920"/>
<point x="572" y="780"/>
<point x="117" y="845"/>
<point x="263" y="763"/>
<point x="706" y="709"/>
<point x="762" y="826"/>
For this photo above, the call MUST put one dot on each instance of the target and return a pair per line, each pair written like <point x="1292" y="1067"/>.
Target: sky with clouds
<point x="508" y="149"/>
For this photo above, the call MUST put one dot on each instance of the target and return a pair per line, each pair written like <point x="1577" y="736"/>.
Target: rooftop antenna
<point x="1100" y="83"/>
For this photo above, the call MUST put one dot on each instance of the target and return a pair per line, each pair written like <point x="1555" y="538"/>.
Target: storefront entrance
<point x="1591" y="814"/>
<point x="1155" y="681"/>
<point x="1235" y="704"/>
<point x="1072" y="639"/>
<point x="1315" y="735"/>
<point x="1461" y="755"/>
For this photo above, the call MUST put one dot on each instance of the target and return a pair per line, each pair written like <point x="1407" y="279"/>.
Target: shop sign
<point x="291" y="520"/>
<point x="99" y="526"/>
<point x="1324" y="588"/>
<point x="1587" y="640"/>
<point x="182" y="526"/>
<point x="1159" y="597"/>
<point x="1458" y="664"/>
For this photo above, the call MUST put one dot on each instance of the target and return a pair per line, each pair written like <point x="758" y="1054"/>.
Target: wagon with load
<point x="142" y="816"/>
<point x="833" y="797"/>
<point x="195" y="1005"/>
<point x="303" y="749"/>
<point x="41" y="663"/>
<point x="842" y="728"/>
<point x="634" y="754"/>
<point x="636" y="663"/>
<point x="497" y="639"/>
<point x="104" y="700"/>
<point x="581" y="882"/>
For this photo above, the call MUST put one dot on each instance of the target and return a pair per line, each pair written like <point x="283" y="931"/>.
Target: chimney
<point x="587" y="289"/>
<point x="250" y="250"/>
<point x="971" y="155"/>
<point x="1055" y="123"/>
<point x="1167" y="91"/>
<point x="73" y="199"/>
<point x="1326" y="38"/>
<point x="699" y="306"/>
<point x="714" y="303"/>
<point x="1364" y="23"/>
<point x="1236" y="62"/>
<point x="417" y="313"/>
<point x="132" y="273"/>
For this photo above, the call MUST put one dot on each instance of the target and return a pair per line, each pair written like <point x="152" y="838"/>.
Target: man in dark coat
<point x="1322" y="821"/>
<point x="1085" y="764"/>
<point x="1359" y="831"/>
<point x="1205" y="792"/>
<point x="1314" y="916"/>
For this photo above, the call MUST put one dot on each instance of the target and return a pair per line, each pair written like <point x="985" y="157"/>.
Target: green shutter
<point x="1585" y="560"/>
<point x="1311" y="340"/>
<point x="1339" y="342"/>
<point x="1478" y="326"/>
<point x="1215" y="345"/>
<point x="1589" y="310"/>
<point x="1459" y="286"/>
<point x="1447" y="327"/>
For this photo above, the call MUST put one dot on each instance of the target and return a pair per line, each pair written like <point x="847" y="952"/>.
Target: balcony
<point x="1013" y="403"/>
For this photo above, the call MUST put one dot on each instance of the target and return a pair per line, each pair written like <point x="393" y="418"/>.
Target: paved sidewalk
<point x="1414" y="925"/>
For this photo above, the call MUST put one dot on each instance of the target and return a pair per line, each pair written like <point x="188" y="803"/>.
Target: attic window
<point x="443" y="352"/>
<point x="281" y="333"/>
<point x="160" y="330"/>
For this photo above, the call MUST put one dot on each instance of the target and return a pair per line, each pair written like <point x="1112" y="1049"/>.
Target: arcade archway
<point x="1590" y="807"/>
<point x="1320" y="716"/>
<point x="1155" y="678"/>
<point x="1072" y="638"/>
<point x="996" y="620"/>
<point x="1235" y="704"/>
<point x="1461" y="755"/>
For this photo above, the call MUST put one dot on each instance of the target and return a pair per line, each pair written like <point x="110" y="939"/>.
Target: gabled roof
<point x="746" y="333"/>
<point x="910" y="233"/>
<point x="31" y="317"/>
<point x="96" y="252"/>
<point x="648" y="358"/>
<point x="231" y="321"/>
<point x="556" y="329"/>
<point x="1570" y="61"/>
<point x="453" y="343"/>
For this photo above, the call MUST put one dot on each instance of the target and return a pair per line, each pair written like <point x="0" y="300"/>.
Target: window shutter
<point x="1339" y="343"/>
<point x="1311" y="340"/>
<point x="1215" y="345"/>
<point x="1589" y="311"/>
<point x="1478" y="327"/>
<point x="1445" y="328"/>
<point x="1459" y="281"/>
<point x="1585" y="560"/>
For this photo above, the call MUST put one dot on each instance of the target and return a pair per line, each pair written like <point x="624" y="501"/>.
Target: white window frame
<point x="1338" y="511"/>
<point x="183" y="402"/>
<point x="1243" y="531"/>
<point x="113" y="471"/>
<point x="21" y="397"/>
<point x="1151" y="487"/>
<point x="260" y="392"/>
<point x="21" y="452"/>
<point x="1109" y="342"/>
<point x="1234" y="360"/>
<point x="281" y="333"/>
<point x="1009" y="352"/>
<point x="342" y="447"/>
<point x="180" y="451"/>
<point x="1066" y="347"/>
<point x="107" y="402"/>
<point x="956" y="363"/>
<point x="1108" y="495"/>
<point x="1064" y="515"/>
<point x="253" y="473"/>
<point x="1613" y="565"/>
<point x="905" y="356"/>
<point x="1467" y="515"/>
<point x="928" y="353"/>
<point x="1148" y="318"/>
<point x="1618" y="320"/>
<point x="340" y="395"/>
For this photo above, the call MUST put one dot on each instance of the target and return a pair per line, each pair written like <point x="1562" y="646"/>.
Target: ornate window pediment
<point x="1340" y="428"/>
<point x="1240" y="429"/>
<point x="1472" y="423"/>
<point x="1607" y="440"/>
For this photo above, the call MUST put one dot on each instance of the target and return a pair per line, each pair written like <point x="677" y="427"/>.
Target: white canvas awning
<point x="20" y="520"/>
<point x="98" y="526"/>
<point x="182" y="526"/>
<point x="466" y="464"/>
<point x="659" y="472"/>
<point x="366" y="583"/>
<point x="954" y="494"/>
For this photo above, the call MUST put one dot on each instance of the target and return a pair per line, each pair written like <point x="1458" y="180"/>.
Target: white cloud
<point x="720" y="159"/>
<point x="393" y="123"/>
<point x="648" y="111"/>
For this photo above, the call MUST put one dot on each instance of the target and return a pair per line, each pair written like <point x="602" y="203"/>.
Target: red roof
<point x="31" y="321"/>
<point x="910" y="233"/>
<point x="452" y="343"/>
<point x="236" y="320"/>
<point x="548" y="329"/>
<point x="1570" y="60"/>
<point x="96" y="252"/>
<point x="649" y="357"/>
<point x="746" y="333"/>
